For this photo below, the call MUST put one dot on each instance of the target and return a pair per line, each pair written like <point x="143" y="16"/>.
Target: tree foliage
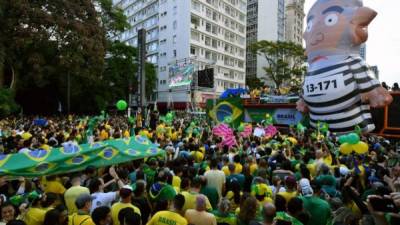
<point x="285" y="60"/>
<point x="254" y="82"/>
<point x="45" y="42"/>
<point x="7" y="103"/>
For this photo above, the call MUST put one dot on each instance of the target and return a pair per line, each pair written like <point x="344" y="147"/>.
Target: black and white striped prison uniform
<point x="342" y="109"/>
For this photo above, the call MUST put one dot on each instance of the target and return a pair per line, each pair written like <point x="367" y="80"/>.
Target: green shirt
<point x="212" y="195"/>
<point x="239" y="177"/>
<point x="167" y="192"/>
<point x="319" y="210"/>
<point x="286" y="217"/>
<point x="224" y="218"/>
<point x="150" y="174"/>
<point x="328" y="180"/>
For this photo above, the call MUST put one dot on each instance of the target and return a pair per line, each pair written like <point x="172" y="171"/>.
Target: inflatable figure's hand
<point x="378" y="97"/>
<point x="301" y="106"/>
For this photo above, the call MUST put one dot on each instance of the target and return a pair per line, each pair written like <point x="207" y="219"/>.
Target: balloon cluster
<point x="351" y="142"/>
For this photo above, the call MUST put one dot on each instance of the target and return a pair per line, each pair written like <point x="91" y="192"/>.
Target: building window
<point x="174" y="39"/>
<point x="174" y="53"/>
<point x="175" y="25"/>
<point x="192" y="50"/>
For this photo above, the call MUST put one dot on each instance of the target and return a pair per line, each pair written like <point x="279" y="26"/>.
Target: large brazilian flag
<point x="232" y="107"/>
<point x="71" y="157"/>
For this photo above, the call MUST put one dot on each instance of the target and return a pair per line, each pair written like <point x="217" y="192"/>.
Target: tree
<point x="285" y="60"/>
<point x="121" y="70"/>
<point x="254" y="82"/>
<point x="48" y="43"/>
<point x="7" y="103"/>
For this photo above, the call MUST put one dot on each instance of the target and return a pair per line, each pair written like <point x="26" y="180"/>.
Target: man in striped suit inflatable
<point x="339" y="88"/>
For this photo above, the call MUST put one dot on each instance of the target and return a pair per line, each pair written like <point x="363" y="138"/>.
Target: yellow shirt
<point x="263" y="190"/>
<point x="238" y="168"/>
<point x="253" y="168"/>
<point x="176" y="182"/>
<point x="167" y="218"/>
<point x="225" y="169"/>
<point x="55" y="187"/>
<point x="70" y="196"/>
<point x="34" y="216"/>
<point x="77" y="219"/>
<point x="117" y="207"/>
<point x="288" y="195"/>
<point x="126" y="134"/>
<point x="103" y="135"/>
<point x="190" y="201"/>
<point x="328" y="159"/>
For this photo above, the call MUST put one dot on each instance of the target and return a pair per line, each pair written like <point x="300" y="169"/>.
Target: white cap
<point x="306" y="188"/>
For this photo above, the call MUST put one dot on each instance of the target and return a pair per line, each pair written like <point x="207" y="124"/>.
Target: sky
<point x="383" y="45"/>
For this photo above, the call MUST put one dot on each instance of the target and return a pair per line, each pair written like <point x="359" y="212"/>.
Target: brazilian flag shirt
<point x="167" y="218"/>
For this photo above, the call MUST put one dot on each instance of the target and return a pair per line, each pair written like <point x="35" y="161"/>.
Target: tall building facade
<point x="294" y="21"/>
<point x="265" y="21"/>
<point x="207" y="33"/>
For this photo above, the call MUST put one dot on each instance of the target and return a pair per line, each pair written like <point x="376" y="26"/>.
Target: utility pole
<point x="142" y="71"/>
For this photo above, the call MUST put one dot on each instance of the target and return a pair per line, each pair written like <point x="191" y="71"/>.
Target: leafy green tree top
<point x="285" y="60"/>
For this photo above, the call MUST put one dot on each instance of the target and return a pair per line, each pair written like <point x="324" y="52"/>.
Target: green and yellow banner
<point x="72" y="157"/>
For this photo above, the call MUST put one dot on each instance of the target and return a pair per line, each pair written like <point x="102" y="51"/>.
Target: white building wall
<point x="223" y="47"/>
<point x="267" y="30"/>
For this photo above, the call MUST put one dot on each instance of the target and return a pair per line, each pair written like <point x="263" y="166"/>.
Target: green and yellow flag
<point x="230" y="107"/>
<point x="72" y="157"/>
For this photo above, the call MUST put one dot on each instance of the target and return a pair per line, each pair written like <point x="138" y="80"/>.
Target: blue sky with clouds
<point x="383" y="45"/>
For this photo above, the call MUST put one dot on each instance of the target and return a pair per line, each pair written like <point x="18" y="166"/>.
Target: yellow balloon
<point x="346" y="148"/>
<point x="360" y="148"/>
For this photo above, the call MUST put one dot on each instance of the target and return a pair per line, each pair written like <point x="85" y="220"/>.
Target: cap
<point x="82" y="199"/>
<point x="306" y="188"/>
<point x="127" y="187"/>
<point x="125" y="191"/>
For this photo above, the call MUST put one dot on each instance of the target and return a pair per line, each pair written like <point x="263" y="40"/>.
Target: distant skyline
<point x="383" y="45"/>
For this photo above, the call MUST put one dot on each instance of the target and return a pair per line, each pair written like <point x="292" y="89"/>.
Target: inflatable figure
<point x="339" y="88"/>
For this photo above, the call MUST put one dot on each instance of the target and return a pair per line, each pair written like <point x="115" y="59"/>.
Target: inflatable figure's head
<point x="336" y="27"/>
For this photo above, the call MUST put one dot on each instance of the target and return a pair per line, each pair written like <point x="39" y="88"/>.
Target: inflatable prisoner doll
<point x="339" y="89"/>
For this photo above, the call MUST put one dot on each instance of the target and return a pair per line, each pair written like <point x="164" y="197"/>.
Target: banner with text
<point x="281" y="116"/>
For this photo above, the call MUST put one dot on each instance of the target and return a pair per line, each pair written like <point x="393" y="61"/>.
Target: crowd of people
<point x="394" y="88"/>
<point x="259" y="181"/>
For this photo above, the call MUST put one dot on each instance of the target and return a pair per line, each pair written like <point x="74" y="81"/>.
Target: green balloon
<point x="353" y="138"/>
<point x="121" y="105"/>
<point x="343" y="139"/>
<point x="241" y="128"/>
